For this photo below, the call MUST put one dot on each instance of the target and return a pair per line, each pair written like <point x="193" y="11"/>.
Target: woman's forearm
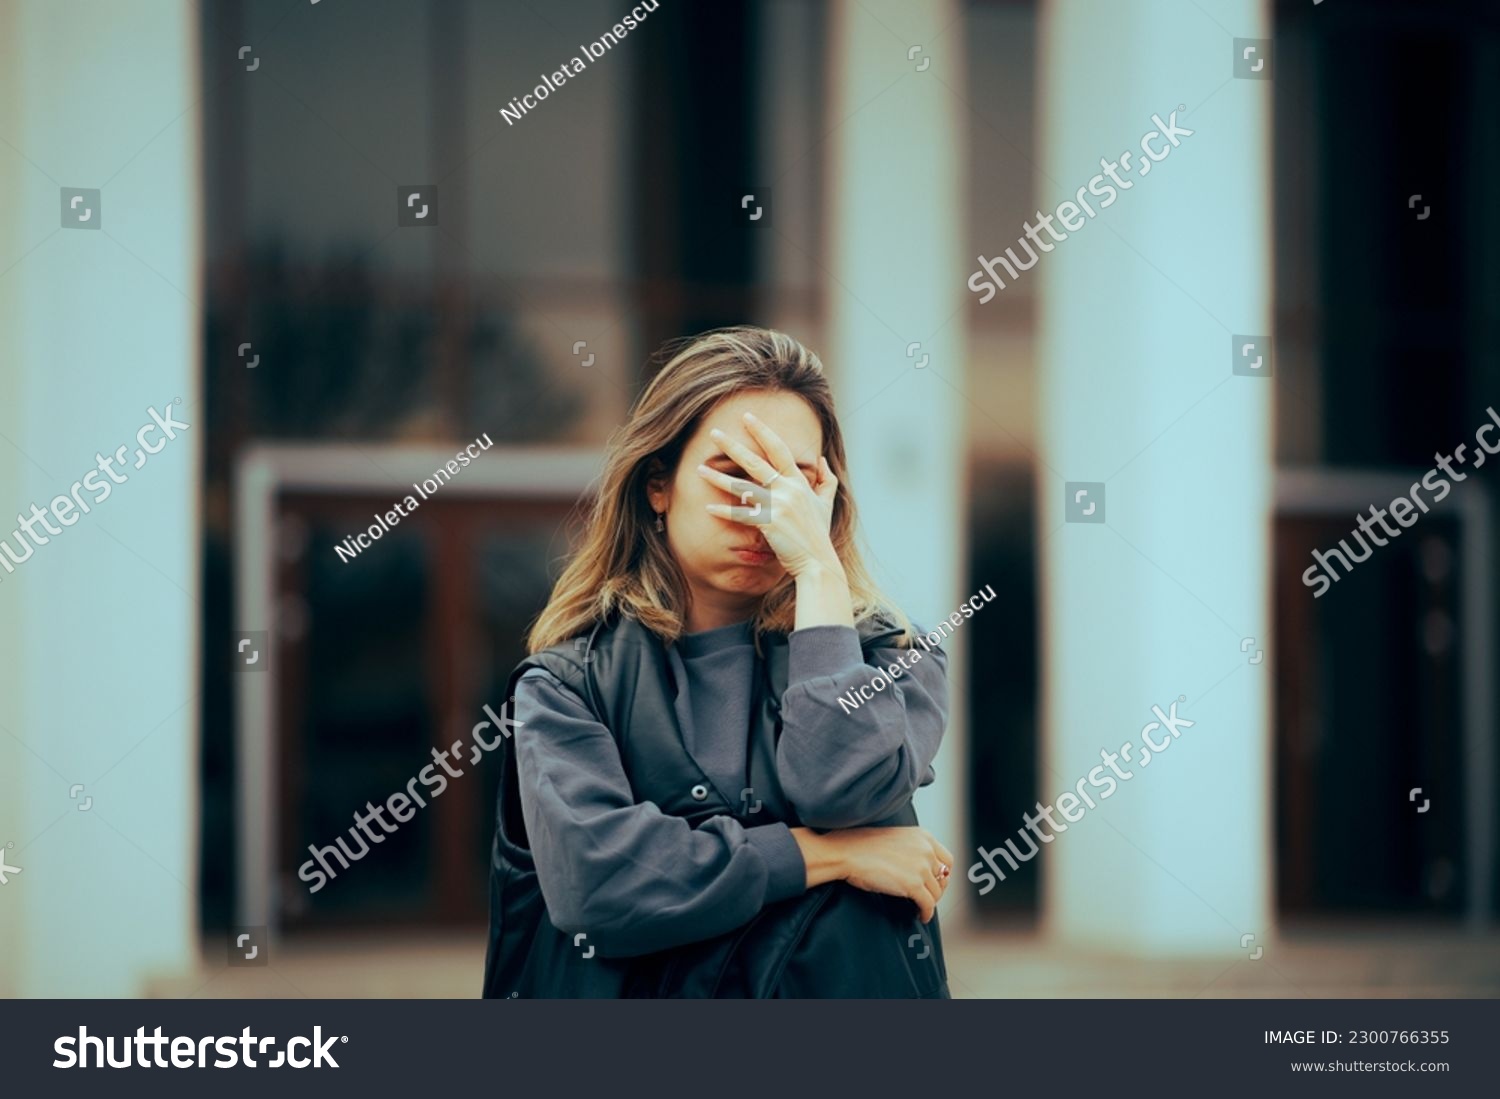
<point x="850" y="754"/>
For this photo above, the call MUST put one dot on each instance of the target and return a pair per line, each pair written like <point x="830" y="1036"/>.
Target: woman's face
<point x="728" y="564"/>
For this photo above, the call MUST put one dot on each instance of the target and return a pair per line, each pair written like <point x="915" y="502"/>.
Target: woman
<point x="691" y="806"/>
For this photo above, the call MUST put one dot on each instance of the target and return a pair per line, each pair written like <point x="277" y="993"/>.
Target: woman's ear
<point x="658" y="485"/>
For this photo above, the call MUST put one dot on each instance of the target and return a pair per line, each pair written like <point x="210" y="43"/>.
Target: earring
<point x="661" y="523"/>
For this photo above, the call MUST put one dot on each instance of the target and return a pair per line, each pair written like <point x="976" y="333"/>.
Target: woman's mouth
<point x="754" y="556"/>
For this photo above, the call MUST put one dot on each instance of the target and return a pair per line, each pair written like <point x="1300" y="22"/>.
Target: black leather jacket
<point x="832" y="941"/>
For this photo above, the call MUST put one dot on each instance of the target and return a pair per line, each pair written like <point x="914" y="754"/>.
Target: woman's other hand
<point x="898" y="862"/>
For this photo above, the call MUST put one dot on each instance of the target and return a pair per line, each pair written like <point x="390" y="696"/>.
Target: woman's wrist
<point x="822" y="569"/>
<point x="823" y="597"/>
<point x="822" y="855"/>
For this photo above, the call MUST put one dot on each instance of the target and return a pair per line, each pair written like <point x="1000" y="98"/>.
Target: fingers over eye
<point x="722" y="480"/>
<point x="752" y="463"/>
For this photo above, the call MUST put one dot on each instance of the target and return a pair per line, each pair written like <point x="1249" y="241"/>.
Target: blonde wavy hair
<point x="623" y="563"/>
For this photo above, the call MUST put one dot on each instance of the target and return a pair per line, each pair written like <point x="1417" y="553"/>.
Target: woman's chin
<point x="749" y="579"/>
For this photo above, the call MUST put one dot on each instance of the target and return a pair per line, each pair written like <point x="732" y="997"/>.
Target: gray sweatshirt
<point x="637" y="880"/>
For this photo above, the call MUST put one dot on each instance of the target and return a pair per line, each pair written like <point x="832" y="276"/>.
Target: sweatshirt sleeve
<point x="631" y="877"/>
<point x="850" y="754"/>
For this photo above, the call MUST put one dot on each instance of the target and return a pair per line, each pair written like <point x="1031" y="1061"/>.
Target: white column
<point x="1139" y="308"/>
<point x="99" y="628"/>
<point x="893" y="208"/>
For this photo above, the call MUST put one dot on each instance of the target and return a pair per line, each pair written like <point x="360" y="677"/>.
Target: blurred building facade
<point x="832" y="169"/>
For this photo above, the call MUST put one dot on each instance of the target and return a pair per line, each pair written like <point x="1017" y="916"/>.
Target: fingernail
<point x="715" y="433"/>
<point x="702" y="468"/>
<point x="749" y="415"/>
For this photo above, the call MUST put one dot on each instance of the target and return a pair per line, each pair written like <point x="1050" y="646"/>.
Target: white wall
<point x="98" y="630"/>
<point x="1138" y="312"/>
